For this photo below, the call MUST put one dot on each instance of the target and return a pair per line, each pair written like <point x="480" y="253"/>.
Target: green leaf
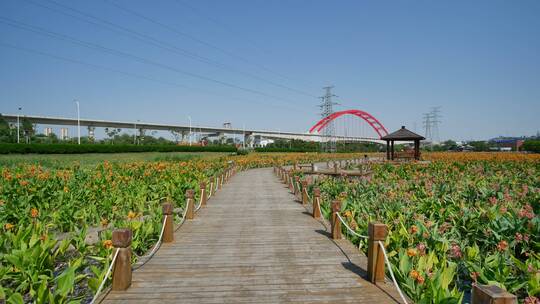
<point x="65" y="282"/>
<point x="15" y="298"/>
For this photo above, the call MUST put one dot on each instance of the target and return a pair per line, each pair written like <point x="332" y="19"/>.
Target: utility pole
<point x="78" y="122"/>
<point x="135" y="133"/>
<point x="435" y="120"/>
<point x="189" y="117"/>
<point x="431" y="122"/>
<point x="326" y="110"/>
<point x="19" y="125"/>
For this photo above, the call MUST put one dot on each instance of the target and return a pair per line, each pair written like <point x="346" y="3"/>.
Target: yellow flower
<point x="2" y="202"/>
<point x="411" y="252"/>
<point x="347" y="213"/>
<point x="132" y="215"/>
<point x="34" y="213"/>
<point x="66" y="189"/>
<point x="8" y="226"/>
<point x="107" y="244"/>
<point x="104" y="222"/>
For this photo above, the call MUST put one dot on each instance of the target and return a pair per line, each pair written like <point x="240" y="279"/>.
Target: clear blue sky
<point x="479" y="60"/>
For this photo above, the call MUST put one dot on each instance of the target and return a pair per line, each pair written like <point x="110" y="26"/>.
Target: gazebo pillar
<point x="417" y="149"/>
<point x="392" y="153"/>
<point x="387" y="150"/>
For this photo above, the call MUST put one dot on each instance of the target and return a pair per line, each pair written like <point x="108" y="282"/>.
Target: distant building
<point x="508" y="143"/>
<point x="64" y="134"/>
<point x="265" y="142"/>
<point x="48" y="131"/>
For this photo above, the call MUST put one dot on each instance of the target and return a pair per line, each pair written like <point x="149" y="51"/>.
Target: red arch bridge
<point x="347" y="126"/>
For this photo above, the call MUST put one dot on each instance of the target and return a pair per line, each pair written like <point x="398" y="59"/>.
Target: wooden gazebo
<point x="402" y="135"/>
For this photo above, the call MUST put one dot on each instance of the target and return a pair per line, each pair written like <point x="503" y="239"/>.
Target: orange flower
<point x="34" y="213"/>
<point x="8" y="226"/>
<point x="413" y="229"/>
<point x="66" y="189"/>
<point x="43" y="237"/>
<point x="23" y="183"/>
<point x="414" y="274"/>
<point x="131" y="215"/>
<point x="502" y="246"/>
<point x="420" y="279"/>
<point x="107" y="244"/>
<point x="411" y="252"/>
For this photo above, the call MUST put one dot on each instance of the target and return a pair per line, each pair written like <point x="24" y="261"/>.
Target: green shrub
<point x="532" y="146"/>
<point x="95" y="148"/>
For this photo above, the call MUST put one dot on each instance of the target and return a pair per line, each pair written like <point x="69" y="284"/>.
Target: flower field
<point x="56" y="223"/>
<point x="463" y="218"/>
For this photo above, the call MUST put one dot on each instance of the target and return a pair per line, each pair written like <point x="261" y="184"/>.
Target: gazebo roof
<point x="403" y="134"/>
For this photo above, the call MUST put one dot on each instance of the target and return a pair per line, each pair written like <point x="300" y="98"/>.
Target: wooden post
<point x="168" y="231"/>
<point x="304" y="192"/>
<point x="312" y="167"/>
<point x="296" y="183"/>
<point x="316" y="203"/>
<point x="291" y="182"/>
<point x="204" y="195"/>
<point x="491" y="294"/>
<point x="121" y="278"/>
<point x="376" y="232"/>
<point x="336" y="223"/>
<point x="189" y="204"/>
<point x="336" y="167"/>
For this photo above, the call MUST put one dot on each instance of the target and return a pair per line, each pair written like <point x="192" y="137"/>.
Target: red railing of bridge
<point x="372" y="121"/>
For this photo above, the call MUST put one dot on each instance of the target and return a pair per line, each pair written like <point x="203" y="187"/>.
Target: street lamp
<point x="135" y="133"/>
<point x="78" y="122"/>
<point x="189" y="117"/>
<point x="18" y="126"/>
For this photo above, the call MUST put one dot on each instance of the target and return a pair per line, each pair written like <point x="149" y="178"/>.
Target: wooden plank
<point x="254" y="244"/>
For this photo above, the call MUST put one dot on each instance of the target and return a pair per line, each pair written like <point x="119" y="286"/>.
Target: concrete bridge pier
<point x="91" y="133"/>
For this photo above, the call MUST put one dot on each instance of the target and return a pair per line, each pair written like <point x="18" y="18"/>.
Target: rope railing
<point x="336" y="207"/>
<point x="123" y="237"/>
<point x="210" y="192"/>
<point x="105" y="277"/>
<point x="182" y="220"/>
<point x="200" y="201"/>
<point x="392" y="272"/>
<point x="349" y="228"/>
<point x="155" y="248"/>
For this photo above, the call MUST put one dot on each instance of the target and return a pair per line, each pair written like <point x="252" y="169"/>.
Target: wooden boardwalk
<point x="254" y="244"/>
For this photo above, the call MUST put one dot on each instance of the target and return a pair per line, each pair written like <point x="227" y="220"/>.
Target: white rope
<point x="156" y="246"/>
<point x="391" y="272"/>
<point x="200" y="201"/>
<point x="349" y="228"/>
<point x="183" y="218"/>
<point x="159" y="240"/>
<point x="106" y="276"/>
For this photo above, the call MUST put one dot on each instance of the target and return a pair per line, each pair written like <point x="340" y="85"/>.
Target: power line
<point x="93" y="46"/>
<point x="221" y="25"/>
<point x="134" y="75"/>
<point x="155" y="42"/>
